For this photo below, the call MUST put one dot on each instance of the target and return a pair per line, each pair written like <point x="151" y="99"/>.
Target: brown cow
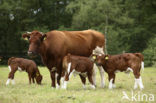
<point x="21" y="64"/>
<point x="127" y="62"/>
<point x="82" y="66"/>
<point x="54" y="45"/>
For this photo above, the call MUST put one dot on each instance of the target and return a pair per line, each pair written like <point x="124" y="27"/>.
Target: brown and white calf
<point x="82" y="66"/>
<point x="127" y="62"/>
<point x="22" y="64"/>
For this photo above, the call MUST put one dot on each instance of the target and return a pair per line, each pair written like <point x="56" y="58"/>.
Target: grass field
<point x="22" y="92"/>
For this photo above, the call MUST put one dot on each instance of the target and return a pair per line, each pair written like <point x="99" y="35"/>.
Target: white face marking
<point x="111" y="84"/>
<point x="9" y="68"/>
<point x="98" y="50"/>
<point x="69" y="66"/>
<point x="8" y="81"/>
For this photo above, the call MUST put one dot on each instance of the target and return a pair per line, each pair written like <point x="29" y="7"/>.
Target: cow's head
<point x="101" y="59"/>
<point x="35" y="40"/>
<point x="38" y="78"/>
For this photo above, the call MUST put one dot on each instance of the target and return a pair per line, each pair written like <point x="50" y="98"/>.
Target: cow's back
<point x="75" y="42"/>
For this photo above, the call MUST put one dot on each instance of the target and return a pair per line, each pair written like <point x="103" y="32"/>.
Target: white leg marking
<point x="69" y="66"/>
<point x="101" y="70"/>
<point x="92" y="86"/>
<point x="140" y="83"/>
<point x="94" y="73"/>
<point x="71" y="73"/>
<point x="65" y="85"/>
<point x="84" y="86"/>
<point x="9" y="68"/>
<point x="114" y="86"/>
<point x="136" y="84"/>
<point x="62" y="81"/>
<point x="8" y="81"/>
<point x="13" y="82"/>
<point x="111" y="84"/>
<point x="57" y="85"/>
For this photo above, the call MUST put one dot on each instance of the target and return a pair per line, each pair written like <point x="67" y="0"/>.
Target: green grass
<point x="22" y="92"/>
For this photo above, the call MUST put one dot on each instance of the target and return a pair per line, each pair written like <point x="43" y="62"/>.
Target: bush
<point x="150" y="53"/>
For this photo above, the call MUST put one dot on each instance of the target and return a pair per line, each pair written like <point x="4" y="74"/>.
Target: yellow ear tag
<point x="25" y="38"/>
<point x="44" y="38"/>
<point x="106" y="58"/>
<point x="0" y="59"/>
<point x="94" y="57"/>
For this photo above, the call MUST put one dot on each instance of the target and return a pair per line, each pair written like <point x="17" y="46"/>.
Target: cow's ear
<point x="26" y="36"/>
<point x="44" y="36"/>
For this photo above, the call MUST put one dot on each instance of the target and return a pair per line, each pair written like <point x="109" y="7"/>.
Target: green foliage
<point x="150" y="53"/>
<point x="127" y="25"/>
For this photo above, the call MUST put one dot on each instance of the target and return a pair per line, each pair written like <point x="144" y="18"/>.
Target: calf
<point x="82" y="66"/>
<point x="21" y="64"/>
<point x="127" y="62"/>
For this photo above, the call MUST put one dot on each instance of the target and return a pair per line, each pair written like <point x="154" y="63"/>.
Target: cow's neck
<point x="42" y="53"/>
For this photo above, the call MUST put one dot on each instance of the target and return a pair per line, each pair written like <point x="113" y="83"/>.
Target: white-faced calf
<point x="127" y="62"/>
<point x="82" y="66"/>
<point x="21" y="64"/>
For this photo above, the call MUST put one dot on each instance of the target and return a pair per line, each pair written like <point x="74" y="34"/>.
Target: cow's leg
<point x="83" y="79"/>
<point x="33" y="79"/>
<point x="111" y="78"/>
<point x="91" y="80"/>
<point x="113" y="85"/>
<point x="68" y="75"/>
<point x="57" y="77"/>
<point x="29" y="76"/>
<point x="52" y="75"/>
<point x="94" y="73"/>
<point x="101" y="70"/>
<point x="138" y="80"/>
<point x="12" y="69"/>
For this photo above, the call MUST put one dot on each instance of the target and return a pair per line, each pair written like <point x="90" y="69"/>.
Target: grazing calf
<point x="127" y="62"/>
<point x="78" y="65"/>
<point x="21" y="64"/>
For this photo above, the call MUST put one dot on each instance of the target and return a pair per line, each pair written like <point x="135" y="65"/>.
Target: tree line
<point x="129" y="25"/>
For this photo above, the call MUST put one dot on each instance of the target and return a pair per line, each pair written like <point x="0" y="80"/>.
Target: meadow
<point x="23" y="92"/>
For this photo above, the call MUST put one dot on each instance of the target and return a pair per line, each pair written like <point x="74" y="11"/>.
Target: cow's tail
<point x="142" y="59"/>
